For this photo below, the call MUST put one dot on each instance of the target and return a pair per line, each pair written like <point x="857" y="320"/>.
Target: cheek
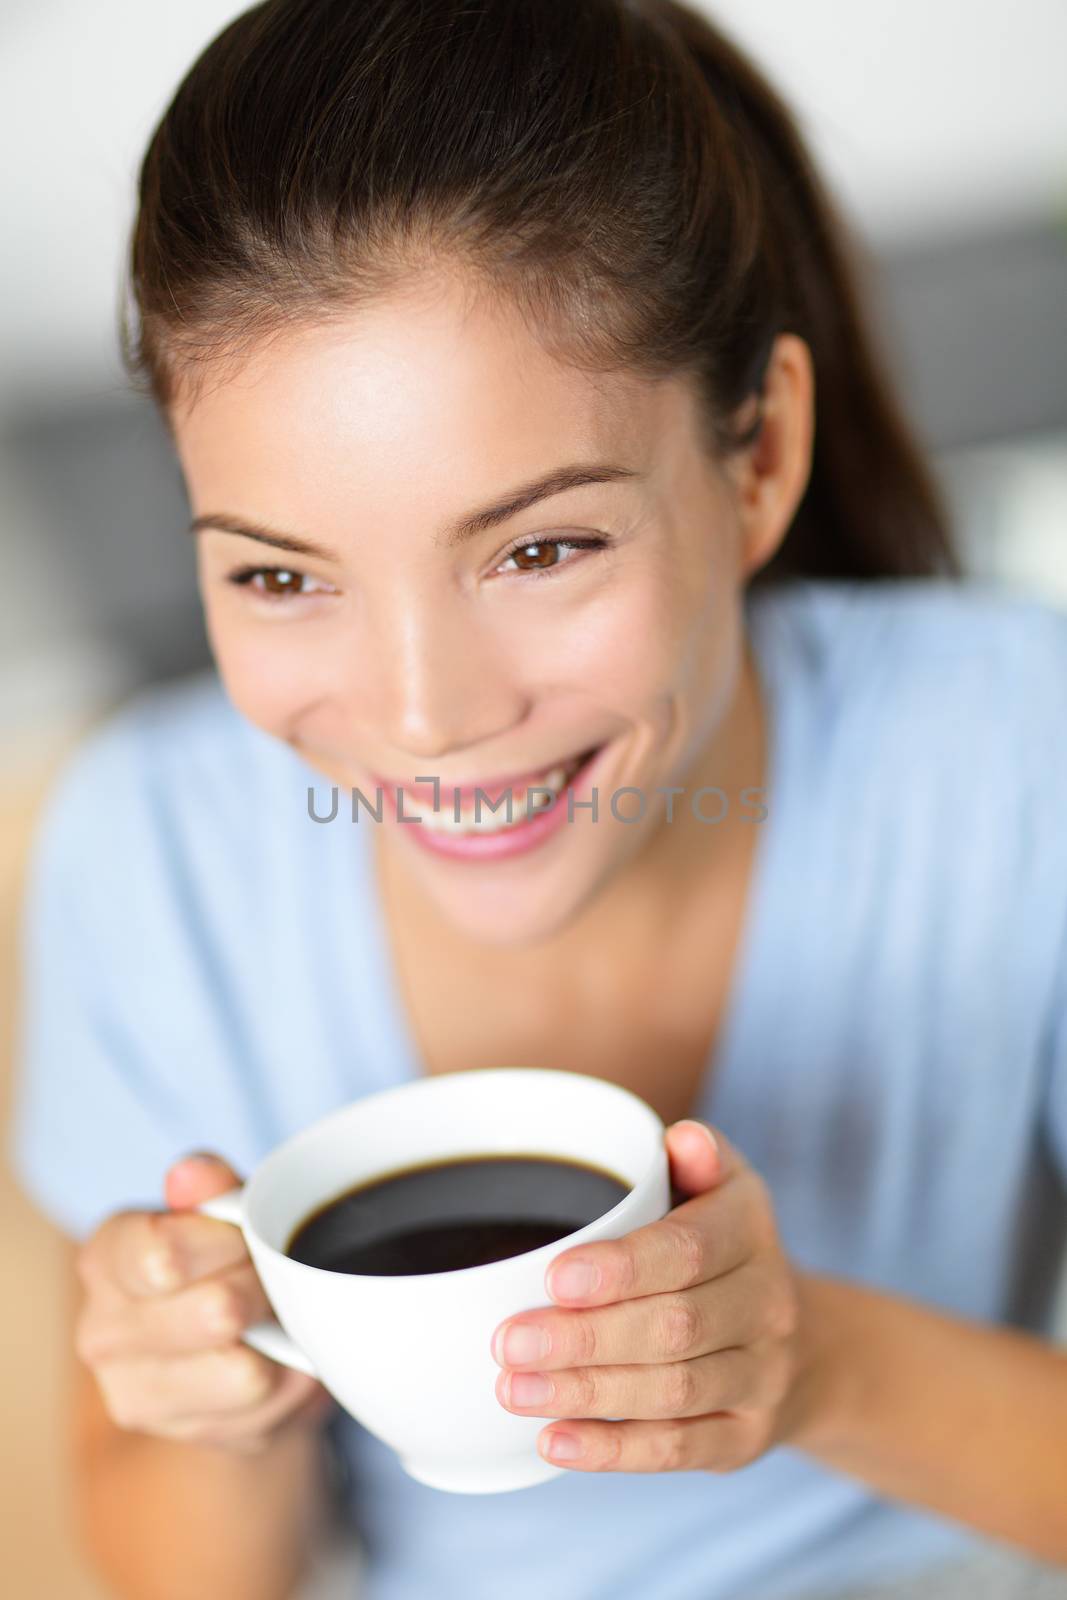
<point x="647" y="641"/>
<point x="268" y="670"/>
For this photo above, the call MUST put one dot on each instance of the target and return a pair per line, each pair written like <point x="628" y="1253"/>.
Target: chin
<point x="510" y="917"/>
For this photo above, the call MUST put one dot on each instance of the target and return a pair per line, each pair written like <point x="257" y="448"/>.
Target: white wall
<point x="924" y="113"/>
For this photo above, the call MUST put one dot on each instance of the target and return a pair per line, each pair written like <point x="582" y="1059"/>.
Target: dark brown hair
<point x="618" y="167"/>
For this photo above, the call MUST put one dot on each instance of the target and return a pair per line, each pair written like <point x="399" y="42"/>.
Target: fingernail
<point x="573" y="1280"/>
<point x="688" y="1122"/>
<point x="564" y="1446"/>
<point x="523" y="1342"/>
<point x="529" y="1389"/>
<point x="197" y="1155"/>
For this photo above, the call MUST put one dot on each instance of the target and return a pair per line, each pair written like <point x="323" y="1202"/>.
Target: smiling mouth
<point x="553" y="776"/>
<point x="530" y="795"/>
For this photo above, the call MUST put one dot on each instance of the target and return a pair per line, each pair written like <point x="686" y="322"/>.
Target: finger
<point x="210" y="1314"/>
<point x="719" y="1382"/>
<point x="159" y="1252"/>
<point x="296" y="1398"/>
<point x="699" y="1239"/>
<point x="197" y="1177"/>
<point x="687" y="1444"/>
<point x="151" y="1392"/>
<point x="700" y="1157"/>
<point x="736" y="1309"/>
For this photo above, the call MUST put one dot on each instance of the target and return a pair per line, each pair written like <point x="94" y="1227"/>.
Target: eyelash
<point x="244" y="575"/>
<point x="544" y="572"/>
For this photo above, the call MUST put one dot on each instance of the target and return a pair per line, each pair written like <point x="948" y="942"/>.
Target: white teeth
<point x="444" y="820"/>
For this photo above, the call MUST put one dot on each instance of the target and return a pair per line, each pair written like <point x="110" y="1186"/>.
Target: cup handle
<point x="269" y="1338"/>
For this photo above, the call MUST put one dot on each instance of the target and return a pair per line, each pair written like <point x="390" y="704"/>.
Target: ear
<point x="771" y="474"/>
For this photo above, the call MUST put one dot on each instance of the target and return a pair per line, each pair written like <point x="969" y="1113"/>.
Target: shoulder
<point x="963" y="663"/>
<point x="925" y="733"/>
<point x="173" y="763"/>
<point x="919" y="622"/>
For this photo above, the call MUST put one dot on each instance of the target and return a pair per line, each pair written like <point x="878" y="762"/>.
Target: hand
<point x="167" y="1294"/>
<point x="693" y="1329"/>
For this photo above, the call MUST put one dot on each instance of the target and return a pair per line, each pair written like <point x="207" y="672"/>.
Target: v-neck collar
<point x="397" y="1057"/>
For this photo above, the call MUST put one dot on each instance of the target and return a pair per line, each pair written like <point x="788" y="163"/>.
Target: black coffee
<point x="445" y="1215"/>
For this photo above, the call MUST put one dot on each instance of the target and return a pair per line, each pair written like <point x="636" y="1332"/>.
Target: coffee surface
<point x="443" y="1216"/>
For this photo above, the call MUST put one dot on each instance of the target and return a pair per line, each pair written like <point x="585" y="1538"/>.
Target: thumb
<point x="199" y="1176"/>
<point x="700" y="1159"/>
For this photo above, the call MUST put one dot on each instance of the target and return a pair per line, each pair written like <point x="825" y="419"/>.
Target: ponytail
<point x="872" y="507"/>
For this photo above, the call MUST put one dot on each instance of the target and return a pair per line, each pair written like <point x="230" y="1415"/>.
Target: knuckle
<point x="585" y="1393"/>
<point x="681" y="1326"/>
<point x="678" y="1389"/>
<point x="221" y="1308"/>
<point x="158" y="1259"/>
<point x="670" y="1447"/>
<point x="621" y="1269"/>
<point x="247" y="1376"/>
<point x="609" y="1453"/>
<point x="582" y="1340"/>
<point x="689" y="1242"/>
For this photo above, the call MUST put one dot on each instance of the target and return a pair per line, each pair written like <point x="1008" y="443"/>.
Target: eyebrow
<point x="467" y="527"/>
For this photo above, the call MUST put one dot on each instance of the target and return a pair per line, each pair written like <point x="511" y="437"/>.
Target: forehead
<point x="435" y="390"/>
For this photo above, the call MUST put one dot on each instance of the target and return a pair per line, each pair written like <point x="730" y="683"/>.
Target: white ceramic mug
<point x="409" y="1357"/>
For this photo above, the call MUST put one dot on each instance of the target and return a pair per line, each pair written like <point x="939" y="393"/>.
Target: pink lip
<point x="491" y="788"/>
<point x="511" y="842"/>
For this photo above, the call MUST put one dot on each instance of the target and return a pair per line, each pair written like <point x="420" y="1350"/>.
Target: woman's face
<point x="418" y="640"/>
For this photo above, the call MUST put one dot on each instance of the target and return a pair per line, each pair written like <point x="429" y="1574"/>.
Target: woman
<point x="491" y="341"/>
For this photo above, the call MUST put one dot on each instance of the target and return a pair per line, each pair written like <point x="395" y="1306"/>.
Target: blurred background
<point x="942" y="130"/>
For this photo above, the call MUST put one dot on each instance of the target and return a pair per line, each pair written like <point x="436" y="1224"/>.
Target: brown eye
<point x="533" y="556"/>
<point x="279" y="580"/>
<point x="546" y="555"/>
<point x="279" y="585"/>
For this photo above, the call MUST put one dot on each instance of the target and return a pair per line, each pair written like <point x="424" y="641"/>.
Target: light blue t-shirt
<point x="205" y="968"/>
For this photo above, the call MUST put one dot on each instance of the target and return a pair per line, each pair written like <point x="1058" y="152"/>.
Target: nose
<point x="446" y="684"/>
